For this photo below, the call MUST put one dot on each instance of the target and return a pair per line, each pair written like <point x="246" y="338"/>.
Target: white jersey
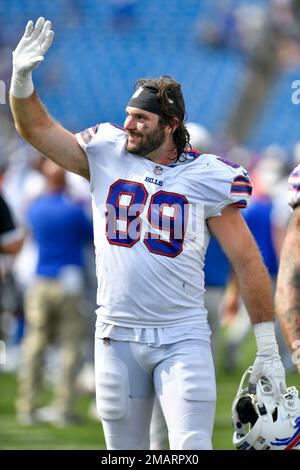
<point x="150" y="228"/>
<point x="294" y="187"/>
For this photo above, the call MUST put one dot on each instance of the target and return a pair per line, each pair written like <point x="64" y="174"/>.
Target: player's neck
<point x="164" y="155"/>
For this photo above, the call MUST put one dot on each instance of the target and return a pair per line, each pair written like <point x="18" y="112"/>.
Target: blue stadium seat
<point x="89" y="73"/>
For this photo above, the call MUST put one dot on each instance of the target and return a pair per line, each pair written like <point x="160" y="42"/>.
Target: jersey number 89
<point x="167" y="218"/>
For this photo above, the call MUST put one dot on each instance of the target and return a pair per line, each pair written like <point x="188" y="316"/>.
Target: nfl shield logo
<point x="158" y="170"/>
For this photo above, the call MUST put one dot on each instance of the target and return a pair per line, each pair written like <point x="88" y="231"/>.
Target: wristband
<point x="265" y="337"/>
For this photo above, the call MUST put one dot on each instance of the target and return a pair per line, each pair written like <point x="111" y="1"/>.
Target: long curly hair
<point x="172" y="105"/>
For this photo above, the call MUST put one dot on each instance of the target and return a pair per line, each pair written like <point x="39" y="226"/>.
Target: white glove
<point x="28" y="54"/>
<point x="268" y="362"/>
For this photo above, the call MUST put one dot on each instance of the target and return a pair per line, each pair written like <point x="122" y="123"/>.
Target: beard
<point x="147" y="143"/>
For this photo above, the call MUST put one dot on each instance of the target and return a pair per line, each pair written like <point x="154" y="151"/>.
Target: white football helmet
<point x="200" y="137"/>
<point x="260" y="422"/>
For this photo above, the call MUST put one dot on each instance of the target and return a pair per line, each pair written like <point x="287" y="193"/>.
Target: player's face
<point x="145" y="131"/>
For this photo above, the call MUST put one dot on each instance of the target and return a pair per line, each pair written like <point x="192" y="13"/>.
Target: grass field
<point x="89" y="434"/>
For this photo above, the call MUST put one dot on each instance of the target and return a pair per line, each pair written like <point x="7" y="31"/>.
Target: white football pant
<point x="128" y="375"/>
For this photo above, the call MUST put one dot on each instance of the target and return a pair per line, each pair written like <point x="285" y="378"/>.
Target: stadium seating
<point x="279" y="121"/>
<point x="88" y="75"/>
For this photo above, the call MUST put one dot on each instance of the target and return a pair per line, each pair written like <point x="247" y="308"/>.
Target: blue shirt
<point x="61" y="229"/>
<point x="216" y="267"/>
<point x="258" y="218"/>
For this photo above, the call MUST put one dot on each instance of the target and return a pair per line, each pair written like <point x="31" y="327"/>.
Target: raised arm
<point x="288" y="283"/>
<point x="238" y="244"/>
<point x="30" y="116"/>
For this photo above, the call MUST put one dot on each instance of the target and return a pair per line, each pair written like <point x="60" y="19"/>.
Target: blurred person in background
<point x="288" y="282"/>
<point x="11" y="238"/>
<point x="152" y="334"/>
<point x="54" y="301"/>
<point x="11" y="241"/>
<point x="22" y="183"/>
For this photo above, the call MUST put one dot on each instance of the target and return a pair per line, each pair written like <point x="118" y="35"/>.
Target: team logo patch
<point x="158" y="170"/>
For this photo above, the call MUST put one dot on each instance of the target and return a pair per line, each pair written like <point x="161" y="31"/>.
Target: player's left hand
<point x="269" y="366"/>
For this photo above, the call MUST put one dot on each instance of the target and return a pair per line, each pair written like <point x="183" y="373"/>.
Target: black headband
<point x="145" y="97"/>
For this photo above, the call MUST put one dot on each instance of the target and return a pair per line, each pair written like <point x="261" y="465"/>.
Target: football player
<point x="288" y="281"/>
<point x="154" y="206"/>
